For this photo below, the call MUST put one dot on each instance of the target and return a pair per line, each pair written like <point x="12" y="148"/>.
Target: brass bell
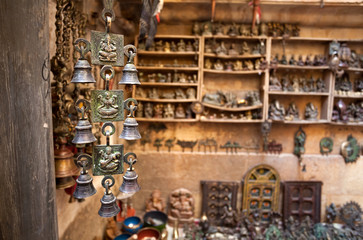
<point x="63" y="157"/>
<point x="129" y="184"/>
<point x="84" y="187"/>
<point x="130" y="72"/>
<point x="109" y="207"/>
<point x="82" y="69"/>
<point x="64" y="182"/>
<point x="84" y="128"/>
<point x="130" y="130"/>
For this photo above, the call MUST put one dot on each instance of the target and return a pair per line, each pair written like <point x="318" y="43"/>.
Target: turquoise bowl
<point x="132" y="225"/>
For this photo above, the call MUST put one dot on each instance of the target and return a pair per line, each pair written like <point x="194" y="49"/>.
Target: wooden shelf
<point x="355" y="69"/>
<point x="177" y="36"/>
<point x="346" y="96"/>
<point x="160" y="84"/>
<point x="237" y="37"/>
<point x="234" y="72"/>
<point x="347" y="123"/>
<point x="165" y="100"/>
<point x="166" y="120"/>
<point x="299" y="93"/>
<point x="168" y="68"/>
<point x="240" y="109"/>
<point x="231" y="120"/>
<point x="246" y="56"/>
<point x="294" y="67"/>
<point x="301" y="121"/>
<point x="302" y="39"/>
<point x="167" y="53"/>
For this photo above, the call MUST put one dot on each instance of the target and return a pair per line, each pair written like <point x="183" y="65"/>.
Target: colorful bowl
<point x="122" y="236"/>
<point x="156" y="219"/>
<point x="132" y="225"/>
<point x="147" y="233"/>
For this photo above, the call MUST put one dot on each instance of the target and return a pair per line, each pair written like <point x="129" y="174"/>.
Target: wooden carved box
<point x="302" y="199"/>
<point x="216" y="196"/>
<point x="261" y="190"/>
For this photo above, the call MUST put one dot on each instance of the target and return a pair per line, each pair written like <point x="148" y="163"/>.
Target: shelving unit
<point x="210" y="80"/>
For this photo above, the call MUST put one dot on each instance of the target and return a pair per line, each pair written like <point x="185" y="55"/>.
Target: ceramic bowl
<point x="147" y="233"/>
<point x="122" y="236"/>
<point x="132" y="225"/>
<point x="155" y="219"/>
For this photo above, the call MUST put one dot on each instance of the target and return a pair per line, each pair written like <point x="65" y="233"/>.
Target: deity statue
<point x="300" y="62"/>
<point x="159" y="46"/>
<point x="208" y="46"/>
<point x="155" y="202"/>
<point x="295" y="84"/>
<point x="196" y="29"/>
<point x="245" y="48"/>
<point x="179" y="94"/>
<point x="249" y="65"/>
<point x="232" y="31"/>
<point x="218" y="65"/>
<point x="276" y="111"/>
<point x="191" y="93"/>
<point x="108" y="49"/>
<point x="167" y="47"/>
<point x="233" y="51"/>
<point x="169" y="111"/>
<point x="149" y="110"/>
<point x="229" y="217"/>
<point x="109" y="161"/>
<point x="108" y="107"/>
<point x="207" y="29"/>
<point x="153" y="93"/>
<point x="292" y="60"/>
<point x="221" y="50"/>
<point x="179" y="112"/>
<point x="292" y="113"/>
<point x="308" y="62"/>
<point x="237" y="65"/>
<point x="283" y="60"/>
<point x="181" y="206"/>
<point x="208" y="64"/>
<point x="275" y="84"/>
<point x="140" y="110"/>
<point x="218" y="29"/>
<point x="173" y="47"/>
<point x="189" y="47"/>
<point x="311" y="112"/>
<point x="311" y="84"/>
<point x="168" y="78"/>
<point x="320" y="85"/>
<point x="286" y="86"/>
<point x="181" y="46"/>
<point x="245" y="31"/>
<point x="158" y="111"/>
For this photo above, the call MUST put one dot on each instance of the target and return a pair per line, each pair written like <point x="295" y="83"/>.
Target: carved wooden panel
<point x="302" y="199"/>
<point x="261" y="190"/>
<point x="217" y="195"/>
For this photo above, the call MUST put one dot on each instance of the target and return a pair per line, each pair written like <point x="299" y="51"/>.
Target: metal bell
<point x="63" y="157"/>
<point x="82" y="69"/>
<point x="109" y="207"/>
<point x="64" y="182"/>
<point x="82" y="72"/>
<point x="84" y="128"/>
<point x="130" y="72"/>
<point x="84" y="186"/>
<point x="130" y="130"/>
<point x="129" y="184"/>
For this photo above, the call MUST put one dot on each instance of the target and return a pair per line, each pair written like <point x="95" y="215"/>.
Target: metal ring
<point x="85" y="103"/>
<point x="127" y="101"/>
<point x="108" y="124"/>
<point x="107" y="68"/>
<point x="79" y="161"/>
<point x="105" y="179"/>
<point x="126" y="158"/>
<point x="110" y="12"/>
<point x="127" y="49"/>
<point x="78" y="49"/>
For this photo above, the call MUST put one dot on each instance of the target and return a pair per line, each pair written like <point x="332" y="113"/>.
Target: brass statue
<point x="108" y="107"/>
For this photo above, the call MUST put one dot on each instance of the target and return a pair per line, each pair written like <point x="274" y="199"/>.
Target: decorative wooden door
<point x="261" y="189"/>
<point x="216" y="196"/>
<point x="302" y="199"/>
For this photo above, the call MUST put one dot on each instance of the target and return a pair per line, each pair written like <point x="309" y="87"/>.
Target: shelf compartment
<point x="259" y="72"/>
<point x="166" y="120"/>
<point x="168" y="84"/>
<point x="165" y="100"/>
<point x="240" y="109"/>
<point x="246" y="56"/>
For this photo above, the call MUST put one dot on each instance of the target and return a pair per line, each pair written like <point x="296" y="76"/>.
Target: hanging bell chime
<point x="84" y="186"/>
<point x="82" y="69"/>
<point x="109" y="207"/>
<point x="130" y="130"/>
<point x="130" y="72"/>
<point x="129" y="184"/>
<point x="84" y="128"/>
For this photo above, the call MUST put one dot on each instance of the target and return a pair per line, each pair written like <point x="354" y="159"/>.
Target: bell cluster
<point x="106" y="106"/>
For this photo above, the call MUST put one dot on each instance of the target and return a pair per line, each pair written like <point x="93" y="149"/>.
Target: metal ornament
<point x="130" y="130"/>
<point x="299" y="149"/>
<point x="109" y="207"/>
<point x="107" y="105"/>
<point x="351" y="213"/>
<point x="84" y="186"/>
<point x="130" y="72"/>
<point x="64" y="182"/>
<point x="107" y="48"/>
<point x="82" y="69"/>
<point x="130" y="185"/>
<point x="350" y="149"/>
<point x="326" y="145"/>
<point x="84" y="128"/>
<point x="265" y="130"/>
<point x="107" y="159"/>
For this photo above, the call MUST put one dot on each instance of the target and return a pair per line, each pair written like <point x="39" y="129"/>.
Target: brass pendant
<point x="107" y="105"/>
<point x="108" y="159"/>
<point x="107" y="49"/>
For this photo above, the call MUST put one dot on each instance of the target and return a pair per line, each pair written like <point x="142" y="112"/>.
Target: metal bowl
<point x="147" y="233"/>
<point x="123" y="236"/>
<point x="132" y="224"/>
<point x="155" y="219"/>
